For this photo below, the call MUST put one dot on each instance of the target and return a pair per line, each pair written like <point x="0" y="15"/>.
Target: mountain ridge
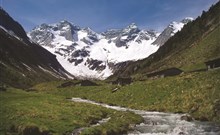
<point x="87" y="54"/>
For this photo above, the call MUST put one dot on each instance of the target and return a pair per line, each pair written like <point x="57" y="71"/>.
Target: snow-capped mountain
<point x="87" y="54"/>
<point x="170" y="30"/>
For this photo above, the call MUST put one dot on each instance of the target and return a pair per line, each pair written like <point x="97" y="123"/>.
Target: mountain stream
<point x="158" y="123"/>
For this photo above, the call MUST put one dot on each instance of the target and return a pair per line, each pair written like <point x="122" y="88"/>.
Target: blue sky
<point x="101" y="15"/>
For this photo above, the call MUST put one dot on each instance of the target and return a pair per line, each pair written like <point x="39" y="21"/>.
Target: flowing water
<point x="158" y="123"/>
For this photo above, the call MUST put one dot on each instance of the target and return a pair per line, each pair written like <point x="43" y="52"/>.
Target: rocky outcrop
<point x="164" y="36"/>
<point x="126" y="35"/>
<point x="95" y="64"/>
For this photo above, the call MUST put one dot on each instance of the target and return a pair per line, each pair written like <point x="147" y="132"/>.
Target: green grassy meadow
<point x="196" y="93"/>
<point x="41" y="113"/>
<point x="45" y="108"/>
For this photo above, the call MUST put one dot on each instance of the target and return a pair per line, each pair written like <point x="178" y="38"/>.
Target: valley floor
<point x="38" y="113"/>
<point x="46" y="108"/>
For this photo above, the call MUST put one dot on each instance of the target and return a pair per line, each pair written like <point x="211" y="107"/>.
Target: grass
<point x="45" y="109"/>
<point x="40" y="112"/>
<point x="195" y="93"/>
<point x="193" y="57"/>
<point x="196" y="67"/>
<point x="207" y="48"/>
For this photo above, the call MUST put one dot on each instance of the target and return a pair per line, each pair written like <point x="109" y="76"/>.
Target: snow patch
<point x="176" y="26"/>
<point x="10" y="32"/>
<point x="53" y="74"/>
<point x="3" y="63"/>
<point x="27" y="67"/>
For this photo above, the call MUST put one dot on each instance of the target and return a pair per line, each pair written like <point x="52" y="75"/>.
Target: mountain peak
<point x="171" y="29"/>
<point x="65" y="21"/>
<point x="130" y="29"/>
<point x="132" y="26"/>
<point x="43" y="26"/>
<point x="88" y="29"/>
<point x="65" y="24"/>
<point x="187" y="19"/>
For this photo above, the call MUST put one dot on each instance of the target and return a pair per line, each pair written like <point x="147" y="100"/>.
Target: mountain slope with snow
<point x="87" y="54"/>
<point x="170" y="30"/>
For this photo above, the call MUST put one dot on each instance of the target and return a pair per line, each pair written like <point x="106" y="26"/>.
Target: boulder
<point x="186" y="117"/>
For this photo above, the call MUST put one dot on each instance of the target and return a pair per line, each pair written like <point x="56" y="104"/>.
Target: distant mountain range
<point x="88" y="54"/>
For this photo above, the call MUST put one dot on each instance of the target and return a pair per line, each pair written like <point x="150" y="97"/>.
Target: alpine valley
<point x="62" y="79"/>
<point x="87" y="54"/>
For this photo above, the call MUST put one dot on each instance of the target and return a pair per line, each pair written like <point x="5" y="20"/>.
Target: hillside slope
<point x="23" y="63"/>
<point x="188" y="49"/>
